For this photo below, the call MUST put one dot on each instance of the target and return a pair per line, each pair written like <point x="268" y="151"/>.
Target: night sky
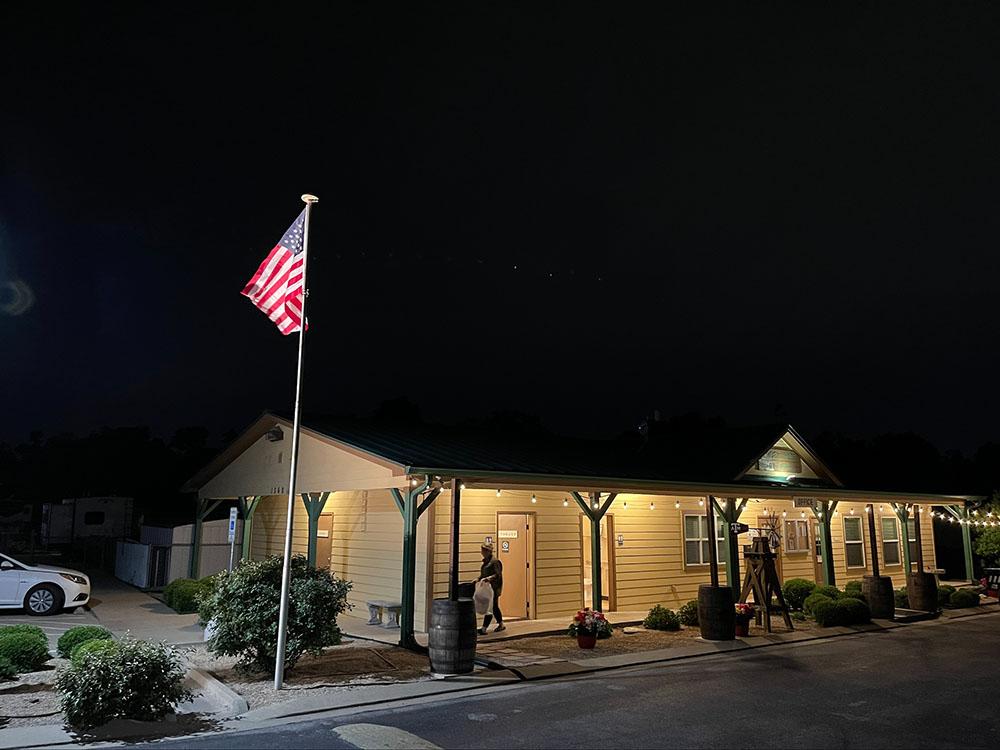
<point x="582" y="213"/>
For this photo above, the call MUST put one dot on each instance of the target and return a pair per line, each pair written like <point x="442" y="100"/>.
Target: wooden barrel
<point x="451" y="638"/>
<point x="921" y="589"/>
<point x="716" y="613"/>
<point x="880" y="596"/>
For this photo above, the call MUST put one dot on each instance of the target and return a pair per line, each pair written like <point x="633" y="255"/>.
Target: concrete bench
<point x="379" y="608"/>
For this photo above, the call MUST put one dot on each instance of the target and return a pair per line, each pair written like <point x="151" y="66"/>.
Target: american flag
<point x="276" y="288"/>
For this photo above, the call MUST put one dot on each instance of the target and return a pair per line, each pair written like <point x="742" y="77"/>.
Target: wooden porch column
<point x="824" y="515"/>
<point x="248" y="506"/>
<point x="411" y="512"/>
<point x="903" y="514"/>
<point x="595" y="515"/>
<point x="961" y="513"/>
<point x="874" y="540"/>
<point x="202" y="509"/>
<point x="731" y="513"/>
<point x="314" y="502"/>
<point x="916" y="533"/>
<point x="456" y="538"/>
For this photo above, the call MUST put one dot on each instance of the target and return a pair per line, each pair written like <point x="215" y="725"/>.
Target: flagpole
<point x="286" y="570"/>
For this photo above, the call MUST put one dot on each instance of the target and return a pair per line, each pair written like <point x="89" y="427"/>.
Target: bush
<point x="796" y="590"/>
<point x="826" y="612"/>
<point x="797" y="616"/>
<point x="126" y="679"/>
<point x="80" y="634"/>
<point x="243" y="607"/>
<point x="844" y="611"/>
<point x="856" y="611"/>
<point x="831" y="591"/>
<point x="81" y="650"/>
<point x="689" y="613"/>
<point x="902" y="598"/>
<point x="944" y="595"/>
<point x="34" y="630"/>
<point x="24" y="650"/>
<point x="809" y="605"/>
<point x="184" y="594"/>
<point x="964" y="598"/>
<point x="661" y="618"/>
<point x="7" y="671"/>
<point x="853" y="590"/>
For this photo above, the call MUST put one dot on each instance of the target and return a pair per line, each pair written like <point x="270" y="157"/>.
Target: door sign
<point x="507" y="534"/>
<point x="621" y="540"/>
<point x="232" y="525"/>
<point x="505" y="546"/>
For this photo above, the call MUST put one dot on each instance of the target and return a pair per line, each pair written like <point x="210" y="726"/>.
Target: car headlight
<point x="73" y="578"/>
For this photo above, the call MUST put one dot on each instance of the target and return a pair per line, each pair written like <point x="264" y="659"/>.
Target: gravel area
<point x="348" y="666"/>
<point x="564" y="647"/>
<point x="31" y="699"/>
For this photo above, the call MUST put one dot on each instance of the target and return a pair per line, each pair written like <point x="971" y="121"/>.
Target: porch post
<point x="408" y="585"/>
<point x="962" y="514"/>
<point x="248" y="506"/>
<point x="824" y="516"/>
<point x="595" y="514"/>
<point x="314" y="502"/>
<point x="903" y="514"/>
<point x="731" y="514"/>
<point x="874" y="541"/>
<point x="202" y="509"/>
<point x="456" y="538"/>
<point x="916" y="533"/>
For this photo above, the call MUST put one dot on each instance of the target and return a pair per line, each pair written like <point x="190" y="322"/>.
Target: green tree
<point x="986" y="539"/>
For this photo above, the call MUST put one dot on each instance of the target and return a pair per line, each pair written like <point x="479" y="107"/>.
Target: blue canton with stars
<point x="292" y="239"/>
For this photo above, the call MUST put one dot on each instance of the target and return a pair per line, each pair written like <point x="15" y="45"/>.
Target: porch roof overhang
<point x="517" y="480"/>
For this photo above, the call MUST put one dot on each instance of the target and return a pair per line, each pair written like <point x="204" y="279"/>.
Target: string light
<point x="533" y="498"/>
<point x="462" y="485"/>
<point x="498" y="492"/>
<point x="852" y="511"/>
<point x="701" y="502"/>
<point x="868" y="509"/>
<point x="565" y="502"/>
<point x="625" y="505"/>
<point x="652" y="506"/>
<point x="784" y="514"/>
<point x="803" y="514"/>
<point x="677" y="503"/>
<point x="413" y="482"/>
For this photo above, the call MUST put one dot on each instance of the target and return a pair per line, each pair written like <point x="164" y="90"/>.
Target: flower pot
<point x="586" y="641"/>
<point x="742" y="627"/>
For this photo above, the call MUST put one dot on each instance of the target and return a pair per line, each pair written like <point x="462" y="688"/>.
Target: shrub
<point x="7" y="671"/>
<point x="902" y="598"/>
<point x="184" y="594"/>
<point x="661" y="618"/>
<point x="853" y="590"/>
<point x="24" y="650"/>
<point x="809" y="605"/>
<point x="944" y="595"/>
<point x="796" y="590"/>
<point x="243" y="607"/>
<point x="31" y="629"/>
<point x="80" y="634"/>
<point x="856" y="611"/>
<point x="844" y="611"/>
<point x="798" y="616"/>
<point x="826" y="612"/>
<point x="689" y="613"/>
<point x="126" y="679"/>
<point x="964" y="598"/>
<point x="831" y="591"/>
<point x="81" y="650"/>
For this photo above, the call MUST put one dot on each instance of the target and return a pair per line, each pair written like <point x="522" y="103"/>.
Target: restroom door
<point x="324" y="541"/>
<point x="515" y="548"/>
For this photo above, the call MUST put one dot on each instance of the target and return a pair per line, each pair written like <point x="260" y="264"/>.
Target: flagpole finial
<point x="307" y="198"/>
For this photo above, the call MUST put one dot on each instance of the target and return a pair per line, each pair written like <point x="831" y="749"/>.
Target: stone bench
<point x="389" y="610"/>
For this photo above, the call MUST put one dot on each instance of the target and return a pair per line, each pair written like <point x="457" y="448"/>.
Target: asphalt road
<point x="933" y="686"/>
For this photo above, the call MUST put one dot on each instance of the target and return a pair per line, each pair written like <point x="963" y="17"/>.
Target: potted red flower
<point x="744" y="611"/>
<point x="588" y="626"/>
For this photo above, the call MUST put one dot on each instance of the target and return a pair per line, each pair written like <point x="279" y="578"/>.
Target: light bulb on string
<point x="533" y="498"/>
<point x="701" y="502"/>
<point x="498" y="492"/>
<point x="652" y="506"/>
<point x="625" y="505"/>
<point x="462" y="485"/>
<point x="784" y="514"/>
<point x="852" y="511"/>
<point x="565" y="503"/>
<point x="677" y="503"/>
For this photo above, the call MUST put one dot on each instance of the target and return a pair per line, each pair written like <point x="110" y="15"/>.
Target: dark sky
<point x="581" y="212"/>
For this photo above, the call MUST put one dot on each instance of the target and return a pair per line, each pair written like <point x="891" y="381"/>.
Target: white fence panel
<point x="132" y="563"/>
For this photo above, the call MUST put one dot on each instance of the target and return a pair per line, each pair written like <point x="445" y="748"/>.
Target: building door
<point x="817" y="552"/>
<point x="608" y="598"/>
<point x="324" y="541"/>
<point x="515" y="548"/>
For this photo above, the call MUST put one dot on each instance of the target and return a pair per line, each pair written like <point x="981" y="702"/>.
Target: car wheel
<point x="43" y="600"/>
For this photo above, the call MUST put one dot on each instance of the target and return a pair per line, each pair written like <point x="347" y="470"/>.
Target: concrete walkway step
<point x="913" y="615"/>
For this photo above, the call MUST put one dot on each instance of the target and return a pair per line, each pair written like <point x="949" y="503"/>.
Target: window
<point x="854" y="546"/>
<point x="696" y="540"/>
<point x="93" y="518"/>
<point x="890" y="541"/>
<point x="796" y="536"/>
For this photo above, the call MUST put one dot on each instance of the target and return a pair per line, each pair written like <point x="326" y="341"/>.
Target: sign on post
<point x="232" y="535"/>
<point x="738" y="528"/>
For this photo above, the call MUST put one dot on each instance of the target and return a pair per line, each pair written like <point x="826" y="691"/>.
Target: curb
<point x="214" y="690"/>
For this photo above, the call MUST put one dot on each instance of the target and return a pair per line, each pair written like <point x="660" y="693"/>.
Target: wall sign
<point x="505" y="546"/>
<point x="621" y="540"/>
<point x="507" y="534"/>
<point x="805" y="502"/>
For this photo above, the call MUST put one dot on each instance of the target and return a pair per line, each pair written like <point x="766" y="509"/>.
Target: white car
<point x="41" y="589"/>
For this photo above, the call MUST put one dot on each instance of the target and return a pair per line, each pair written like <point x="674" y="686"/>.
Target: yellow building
<point x="619" y="526"/>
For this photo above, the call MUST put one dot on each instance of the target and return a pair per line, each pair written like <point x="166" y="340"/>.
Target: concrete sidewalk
<point x="123" y="608"/>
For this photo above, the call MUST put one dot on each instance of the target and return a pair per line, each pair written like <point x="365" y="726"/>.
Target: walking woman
<point x="492" y="572"/>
